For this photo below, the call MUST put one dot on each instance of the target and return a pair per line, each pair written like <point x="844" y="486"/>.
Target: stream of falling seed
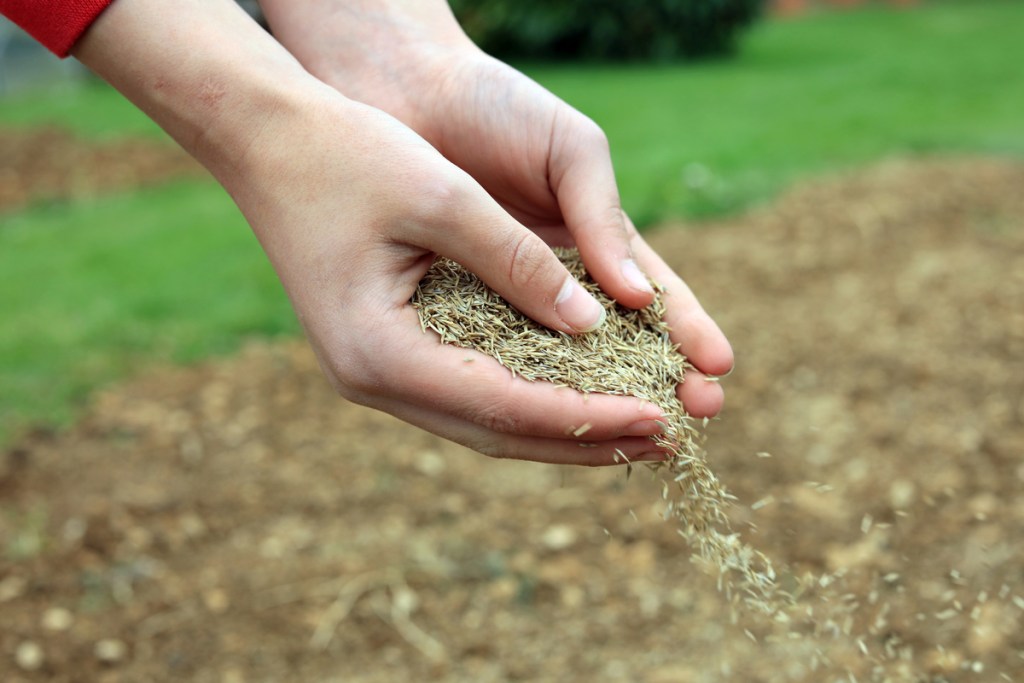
<point x="632" y="354"/>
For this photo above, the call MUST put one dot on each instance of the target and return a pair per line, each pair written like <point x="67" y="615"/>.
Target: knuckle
<point x="499" y="417"/>
<point x="614" y="222"/>
<point x="593" y="134"/>
<point x="528" y="259"/>
<point x="353" y="381"/>
<point x="437" y="200"/>
<point x="501" y="413"/>
<point x="352" y="373"/>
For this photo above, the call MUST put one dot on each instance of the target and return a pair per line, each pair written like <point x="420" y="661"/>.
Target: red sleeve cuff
<point x="57" y="24"/>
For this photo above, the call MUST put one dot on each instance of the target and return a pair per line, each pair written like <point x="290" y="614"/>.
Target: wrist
<point x="203" y="70"/>
<point x="373" y="51"/>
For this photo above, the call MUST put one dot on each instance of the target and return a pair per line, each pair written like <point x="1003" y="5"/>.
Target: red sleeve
<point x="57" y="24"/>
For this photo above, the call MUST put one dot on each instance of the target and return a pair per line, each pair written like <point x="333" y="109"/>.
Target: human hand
<point x="544" y="162"/>
<point x="351" y="206"/>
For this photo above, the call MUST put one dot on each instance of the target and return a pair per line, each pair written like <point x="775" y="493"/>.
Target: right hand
<point x="352" y="208"/>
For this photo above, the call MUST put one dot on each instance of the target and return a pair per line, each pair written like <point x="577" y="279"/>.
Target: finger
<point x="514" y="261"/>
<point x="700" y="395"/>
<point x="583" y="180"/>
<point x="476" y="388"/>
<point x="697" y="335"/>
<point x="536" y="449"/>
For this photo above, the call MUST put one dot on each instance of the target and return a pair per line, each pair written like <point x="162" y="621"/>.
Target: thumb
<point x="519" y="266"/>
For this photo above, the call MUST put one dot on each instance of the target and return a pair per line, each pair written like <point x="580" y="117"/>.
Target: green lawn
<point x="823" y="92"/>
<point x="92" y="290"/>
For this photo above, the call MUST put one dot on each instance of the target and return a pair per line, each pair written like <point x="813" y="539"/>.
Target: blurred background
<point x="821" y="171"/>
<point x="712" y="107"/>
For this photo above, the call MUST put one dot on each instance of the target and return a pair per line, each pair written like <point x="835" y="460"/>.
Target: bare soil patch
<point x="48" y="163"/>
<point x="238" y="522"/>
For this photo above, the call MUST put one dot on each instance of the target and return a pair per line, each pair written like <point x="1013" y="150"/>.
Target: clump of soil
<point x="45" y="164"/>
<point x="236" y="521"/>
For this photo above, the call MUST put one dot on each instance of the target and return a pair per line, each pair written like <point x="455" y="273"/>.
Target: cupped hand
<point x="545" y="163"/>
<point x="352" y="207"/>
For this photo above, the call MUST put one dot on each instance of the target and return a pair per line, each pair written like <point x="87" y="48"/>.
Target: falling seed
<point x="632" y="354"/>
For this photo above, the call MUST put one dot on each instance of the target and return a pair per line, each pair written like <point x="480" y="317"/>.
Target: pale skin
<point x="375" y="136"/>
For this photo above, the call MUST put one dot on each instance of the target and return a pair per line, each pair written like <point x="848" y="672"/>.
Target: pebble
<point x="216" y="600"/>
<point x="559" y="537"/>
<point x="430" y="464"/>
<point x="672" y="673"/>
<point x="110" y="650"/>
<point x="942" y="661"/>
<point x="902" y="494"/>
<point x="990" y="632"/>
<point x="29" y="656"/>
<point x="57" y="619"/>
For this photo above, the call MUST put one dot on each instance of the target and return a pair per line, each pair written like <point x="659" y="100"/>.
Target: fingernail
<point x="635" y="277"/>
<point x="645" y="428"/>
<point x="577" y="308"/>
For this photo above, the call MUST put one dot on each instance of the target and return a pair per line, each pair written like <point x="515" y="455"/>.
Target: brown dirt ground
<point x="52" y="164"/>
<point x="238" y="522"/>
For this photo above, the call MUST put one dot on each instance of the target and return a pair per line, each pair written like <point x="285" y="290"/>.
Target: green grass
<point x="92" y="109"/>
<point x="820" y="93"/>
<point x="91" y="291"/>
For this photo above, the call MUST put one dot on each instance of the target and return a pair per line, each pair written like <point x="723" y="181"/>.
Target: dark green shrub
<point x="606" y="29"/>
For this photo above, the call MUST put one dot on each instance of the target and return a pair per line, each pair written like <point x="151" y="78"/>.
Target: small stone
<point x="192" y="525"/>
<point x="216" y="600"/>
<point x="29" y="656"/>
<point x="110" y="650"/>
<point x="943" y="661"/>
<point x="233" y="676"/>
<point x="430" y="464"/>
<point x="902" y="494"/>
<point x="672" y="673"/>
<point x="57" y="619"/>
<point x="559" y="537"/>
<point x="991" y="630"/>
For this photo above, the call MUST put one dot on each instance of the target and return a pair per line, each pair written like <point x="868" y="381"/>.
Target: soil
<point x="236" y="521"/>
<point x="48" y="164"/>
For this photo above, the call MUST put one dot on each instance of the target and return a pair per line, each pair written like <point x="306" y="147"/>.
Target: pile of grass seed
<point x="632" y="354"/>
